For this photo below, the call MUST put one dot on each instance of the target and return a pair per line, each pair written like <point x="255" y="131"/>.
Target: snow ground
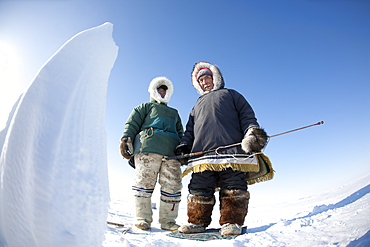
<point x="335" y="218"/>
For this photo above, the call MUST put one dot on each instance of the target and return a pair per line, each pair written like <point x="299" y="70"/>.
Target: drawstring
<point x="233" y="145"/>
<point x="254" y="154"/>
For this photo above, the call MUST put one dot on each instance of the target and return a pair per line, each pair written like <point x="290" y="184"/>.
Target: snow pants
<point x="147" y="168"/>
<point x="204" y="183"/>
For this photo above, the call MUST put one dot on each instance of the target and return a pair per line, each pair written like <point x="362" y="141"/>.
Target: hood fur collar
<point x="155" y="83"/>
<point x="218" y="80"/>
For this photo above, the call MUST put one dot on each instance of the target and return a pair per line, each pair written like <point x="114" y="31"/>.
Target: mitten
<point x="181" y="149"/>
<point x="126" y="148"/>
<point x="254" y="140"/>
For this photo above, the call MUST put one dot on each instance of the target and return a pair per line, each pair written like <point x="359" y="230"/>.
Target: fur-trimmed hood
<point x="218" y="80"/>
<point x="157" y="82"/>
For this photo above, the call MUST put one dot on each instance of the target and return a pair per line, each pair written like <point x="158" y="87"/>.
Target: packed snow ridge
<point x="53" y="166"/>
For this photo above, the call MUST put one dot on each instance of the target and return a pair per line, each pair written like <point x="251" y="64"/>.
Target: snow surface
<point x="53" y="167"/>
<point x="336" y="218"/>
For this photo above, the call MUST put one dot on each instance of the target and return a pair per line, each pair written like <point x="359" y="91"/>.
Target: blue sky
<point x="296" y="62"/>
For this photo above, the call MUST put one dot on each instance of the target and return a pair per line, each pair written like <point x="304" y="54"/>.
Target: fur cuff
<point x="201" y="199"/>
<point x="234" y="193"/>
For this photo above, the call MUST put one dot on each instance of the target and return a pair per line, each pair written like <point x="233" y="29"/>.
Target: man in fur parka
<point x="152" y="132"/>
<point x="220" y="117"/>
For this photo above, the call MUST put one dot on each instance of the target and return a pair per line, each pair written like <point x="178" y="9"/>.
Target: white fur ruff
<point x="217" y="78"/>
<point x="155" y="83"/>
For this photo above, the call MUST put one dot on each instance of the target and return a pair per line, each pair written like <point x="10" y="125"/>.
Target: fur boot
<point x="233" y="206"/>
<point x="199" y="213"/>
<point x="143" y="211"/>
<point x="168" y="212"/>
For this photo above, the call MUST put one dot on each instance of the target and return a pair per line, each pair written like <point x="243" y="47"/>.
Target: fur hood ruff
<point x="157" y="82"/>
<point x="218" y="80"/>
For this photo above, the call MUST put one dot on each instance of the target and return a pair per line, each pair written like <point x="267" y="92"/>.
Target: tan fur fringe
<point x="265" y="177"/>
<point x="221" y="167"/>
<point x="254" y="171"/>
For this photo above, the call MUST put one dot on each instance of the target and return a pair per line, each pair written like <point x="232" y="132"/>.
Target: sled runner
<point x="209" y="234"/>
<point x="115" y="224"/>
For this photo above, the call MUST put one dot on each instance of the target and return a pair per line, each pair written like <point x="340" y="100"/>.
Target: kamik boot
<point x="199" y="213"/>
<point x="143" y="211"/>
<point x="233" y="210"/>
<point x="168" y="212"/>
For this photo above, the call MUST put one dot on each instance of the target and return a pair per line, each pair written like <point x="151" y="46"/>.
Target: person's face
<point x="161" y="92"/>
<point x="206" y="82"/>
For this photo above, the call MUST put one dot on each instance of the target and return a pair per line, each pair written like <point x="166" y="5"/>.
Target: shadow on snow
<point x="361" y="242"/>
<point x="324" y="208"/>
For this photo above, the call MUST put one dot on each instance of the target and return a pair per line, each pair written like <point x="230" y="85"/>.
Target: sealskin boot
<point x="230" y="229"/>
<point x="233" y="210"/>
<point x="199" y="214"/>
<point x="168" y="212"/>
<point x="143" y="210"/>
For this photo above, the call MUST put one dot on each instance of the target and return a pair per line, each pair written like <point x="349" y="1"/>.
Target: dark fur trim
<point x="254" y="140"/>
<point x="200" y="209"/>
<point x="261" y="136"/>
<point x="233" y="206"/>
<point x="201" y="199"/>
<point x="234" y="193"/>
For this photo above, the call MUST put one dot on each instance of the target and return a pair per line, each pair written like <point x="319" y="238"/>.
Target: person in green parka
<point x="152" y="132"/>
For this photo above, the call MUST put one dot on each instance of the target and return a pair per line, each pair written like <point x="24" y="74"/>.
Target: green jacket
<point x="154" y="128"/>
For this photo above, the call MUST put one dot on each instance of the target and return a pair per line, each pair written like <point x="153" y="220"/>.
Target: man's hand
<point x="254" y="140"/>
<point x="126" y="148"/>
<point x="181" y="149"/>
